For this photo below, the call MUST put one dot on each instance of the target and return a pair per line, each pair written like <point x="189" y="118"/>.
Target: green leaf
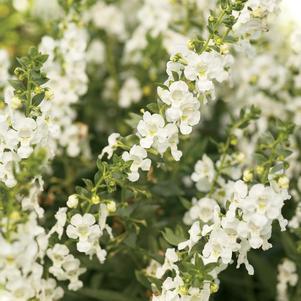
<point x="142" y="278"/>
<point x="133" y="120"/>
<point x="105" y="295"/>
<point x="153" y="107"/>
<point x="37" y="99"/>
<point x="17" y="84"/>
<point x="174" y="238"/>
<point x="131" y="240"/>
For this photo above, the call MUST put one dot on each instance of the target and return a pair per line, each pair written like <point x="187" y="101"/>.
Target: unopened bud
<point x="95" y="199"/>
<point x="15" y="215"/>
<point x="283" y="182"/>
<point x="72" y="201"/>
<point x="248" y="176"/>
<point x="240" y="157"/>
<point x="213" y="288"/>
<point x="111" y="205"/>
<point x="16" y="102"/>
<point x="48" y="94"/>
<point x="38" y="90"/>
<point x="259" y="170"/>
<point x="190" y="44"/>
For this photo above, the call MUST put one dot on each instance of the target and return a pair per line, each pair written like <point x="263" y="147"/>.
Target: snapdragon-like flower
<point x="150" y="128"/>
<point x="61" y="219"/>
<point x="130" y="92"/>
<point x="65" y="266"/>
<point x="184" y="107"/>
<point x="21" y="276"/>
<point x="68" y="82"/>
<point x="108" y="17"/>
<point x="138" y="155"/>
<point x="204" y="210"/>
<point x="204" y="173"/>
<point x="287" y="276"/>
<point x="111" y="147"/>
<point x="83" y="228"/>
<point x="171" y="258"/>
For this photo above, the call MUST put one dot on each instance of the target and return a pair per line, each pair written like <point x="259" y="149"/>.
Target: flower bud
<point x="240" y="157"/>
<point x="283" y="182"/>
<point x="111" y="205"/>
<point x="15" y="215"/>
<point x="259" y="170"/>
<point x="16" y="102"/>
<point x="72" y="201"/>
<point x="190" y="44"/>
<point x="48" y="94"/>
<point x="95" y="199"/>
<point x="38" y="90"/>
<point x="248" y="175"/>
<point x="213" y="288"/>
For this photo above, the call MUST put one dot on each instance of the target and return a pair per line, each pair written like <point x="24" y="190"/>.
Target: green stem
<point x="28" y="96"/>
<point x="218" y="22"/>
<point x="221" y="167"/>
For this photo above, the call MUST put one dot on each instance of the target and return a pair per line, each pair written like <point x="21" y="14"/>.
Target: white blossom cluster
<point x="23" y="251"/>
<point x="272" y="82"/>
<point x="66" y="69"/>
<point x="84" y="229"/>
<point x="252" y="20"/>
<point x="157" y="19"/>
<point x="174" y="288"/>
<point x="161" y="131"/>
<point x="20" y="136"/>
<point x="65" y="266"/>
<point x="107" y="17"/>
<point x="287" y="276"/>
<point x="231" y="221"/>
<point x="234" y="220"/>
<point x="21" y="264"/>
<point x="55" y="125"/>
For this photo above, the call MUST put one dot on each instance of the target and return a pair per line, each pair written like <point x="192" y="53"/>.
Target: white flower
<point x="58" y="254"/>
<point x="21" y="289"/>
<point x="49" y="290"/>
<point x="184" y="107"/>
<point x="195" y="236"/>
<point x="150" y="128"/>
<point x="265" y="201"/>
<point x="169" y="139"/>
<point x="204" y="209"/>
<point x="138" y="155"/>
<point x="130" y="92"/>
<point x="96" y="52"/>
<point x="109" y="18"/>
<point x="205" y="68"/>
<point x="68" y="269"/>
<point x="83" y="228"/>
<point x="287" y="276"/>
<point x="204" y="173"/>
<point x="219" y="246"/>
<point x="171" y="258"/>
<point x="109" y="149"/>
<point x="61" y="217"/>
